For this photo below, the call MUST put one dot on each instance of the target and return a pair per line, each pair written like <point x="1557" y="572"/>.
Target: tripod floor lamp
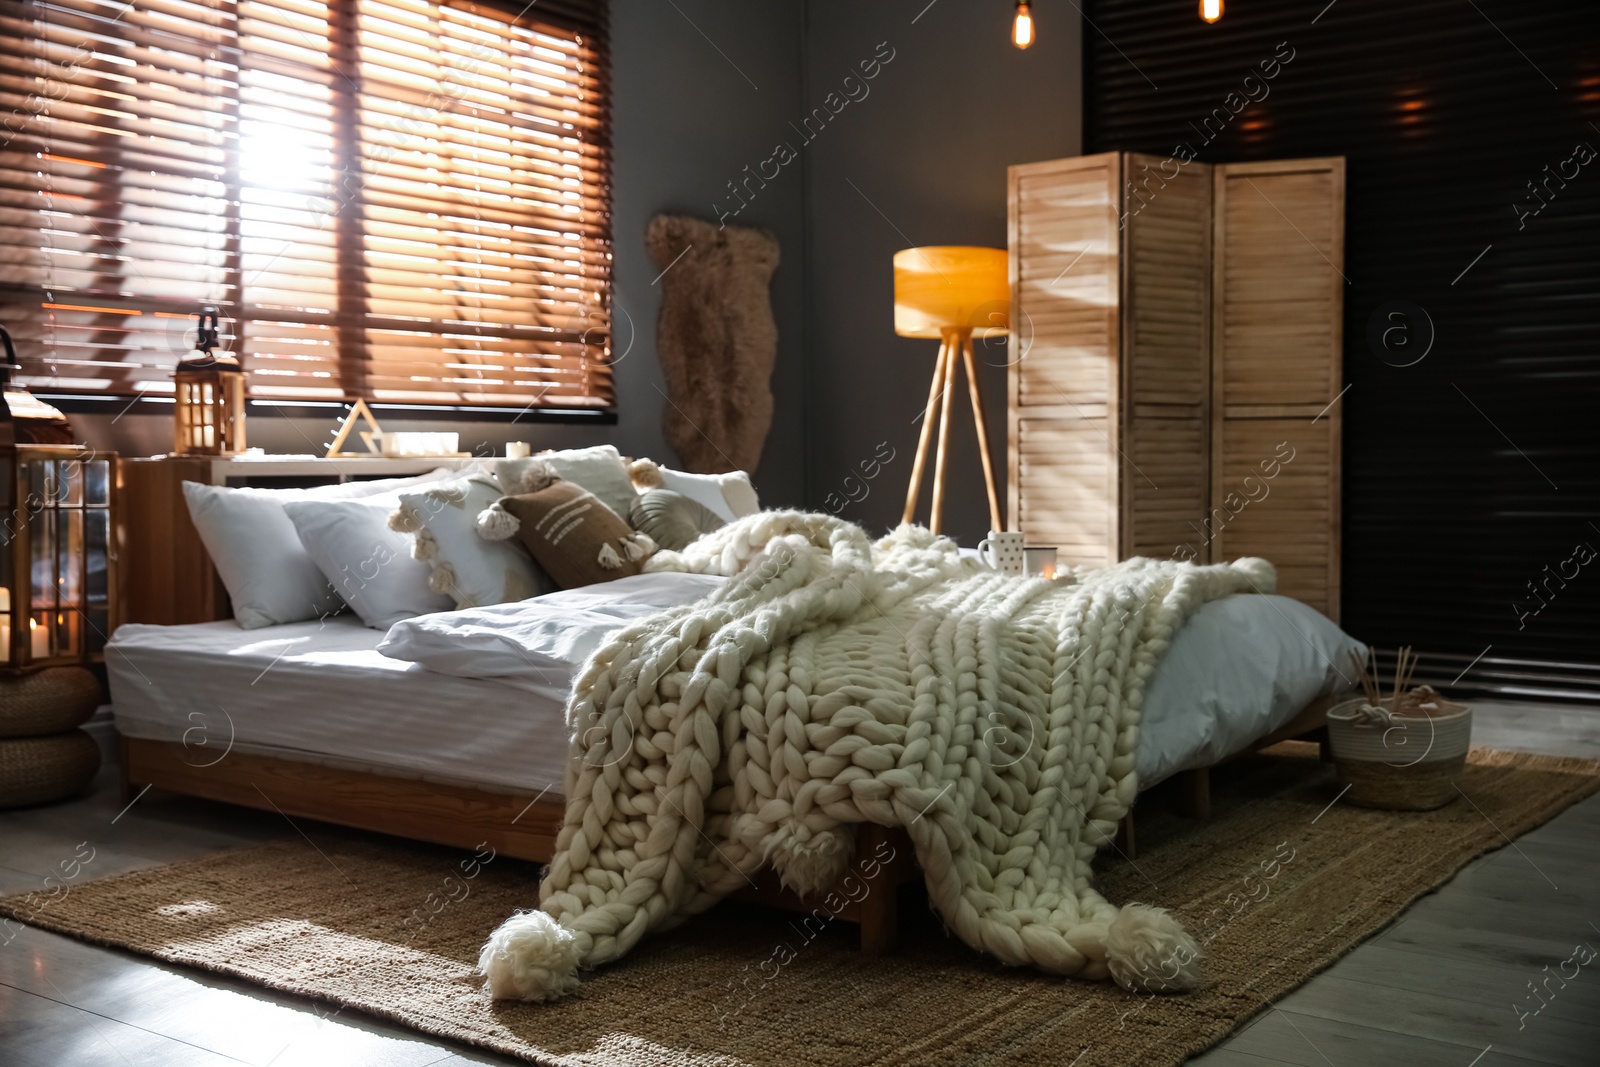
<point x="947" y="291"/>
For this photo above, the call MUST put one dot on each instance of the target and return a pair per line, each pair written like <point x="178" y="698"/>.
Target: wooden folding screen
<point x="1171" y="320"/>
<point x="1276" y="342"/>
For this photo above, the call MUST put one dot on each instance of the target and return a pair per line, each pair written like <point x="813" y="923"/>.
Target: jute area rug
<point x="1280" y="882"/>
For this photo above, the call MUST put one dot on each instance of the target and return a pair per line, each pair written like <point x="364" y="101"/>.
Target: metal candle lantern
<point x="208" y="419"/>
<point x="55" y="559"/>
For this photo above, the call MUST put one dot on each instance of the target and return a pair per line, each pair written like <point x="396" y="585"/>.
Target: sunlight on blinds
<point x="405" y="200"/>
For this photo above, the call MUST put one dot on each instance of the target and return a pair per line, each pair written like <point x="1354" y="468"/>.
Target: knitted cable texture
<point x="834" y="681"/>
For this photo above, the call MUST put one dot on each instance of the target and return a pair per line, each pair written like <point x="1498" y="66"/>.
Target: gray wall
<point x="685" y="123"/>
<point x="690" y="114"/>
<point x="920" y="161"/>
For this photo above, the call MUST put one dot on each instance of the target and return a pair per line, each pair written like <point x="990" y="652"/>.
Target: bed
<point x="449" y="728"/>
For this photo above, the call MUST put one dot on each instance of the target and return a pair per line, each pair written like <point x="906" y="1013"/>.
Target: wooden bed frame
<point x="525" y="826"/>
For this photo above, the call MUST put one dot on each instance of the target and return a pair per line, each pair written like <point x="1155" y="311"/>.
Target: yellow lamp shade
<point x="950" y="287"/>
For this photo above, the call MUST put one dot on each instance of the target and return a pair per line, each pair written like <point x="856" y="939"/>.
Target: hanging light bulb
<point x="1210" y="10"/>
<point x="1022" y="25"/>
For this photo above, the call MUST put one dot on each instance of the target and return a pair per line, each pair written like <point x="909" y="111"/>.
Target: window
<point x="401" y="200"/>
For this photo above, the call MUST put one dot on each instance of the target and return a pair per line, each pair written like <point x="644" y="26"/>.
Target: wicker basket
<point x="1400" y="762"/>
<point x="50" y="701"/>
<point x="37" y="770"/>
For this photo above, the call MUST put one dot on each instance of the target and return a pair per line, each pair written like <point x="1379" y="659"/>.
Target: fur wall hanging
<point x="716" y="339"/>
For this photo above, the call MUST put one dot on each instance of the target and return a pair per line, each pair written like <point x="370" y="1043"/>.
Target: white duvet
<point x="521" y="643"/>
<point x="1239" y="669"/>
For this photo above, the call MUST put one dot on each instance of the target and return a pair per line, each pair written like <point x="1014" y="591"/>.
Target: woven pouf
<point x="37" y="770"/>
<point x="50" y="701"/>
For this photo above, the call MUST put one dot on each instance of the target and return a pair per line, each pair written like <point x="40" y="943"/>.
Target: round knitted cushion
<point x="47" y="701"/>
<point x="672" y="520"/>
<point x="37" y="770"/>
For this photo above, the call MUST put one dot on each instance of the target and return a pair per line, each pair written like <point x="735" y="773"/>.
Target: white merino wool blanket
<point x="835" y="680"/>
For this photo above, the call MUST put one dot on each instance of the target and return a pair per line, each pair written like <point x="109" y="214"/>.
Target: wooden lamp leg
<point x="983" y="432"/>
<point x="951" y="345"/>
<point x="922" y="437"/>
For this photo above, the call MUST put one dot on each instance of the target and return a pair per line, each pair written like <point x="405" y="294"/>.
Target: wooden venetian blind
<point x="402" y="200"/>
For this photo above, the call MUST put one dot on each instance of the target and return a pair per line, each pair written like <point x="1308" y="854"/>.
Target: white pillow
<point x="730" y="496"/>
<point x="1240" y="668"/>
<point x="472" y="571"/>
<point x="258" y="554"/>
<point x="599" y="469"/>
<point x="368" y="564"/>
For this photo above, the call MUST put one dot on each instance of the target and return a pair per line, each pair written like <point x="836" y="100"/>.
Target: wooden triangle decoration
<point x="372" y="437"/>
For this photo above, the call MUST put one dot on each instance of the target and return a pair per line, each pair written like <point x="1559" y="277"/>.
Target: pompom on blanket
<point x="833" y="681"/>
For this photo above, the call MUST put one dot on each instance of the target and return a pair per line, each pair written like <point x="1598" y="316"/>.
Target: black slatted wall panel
<point x="1472" y="476"/>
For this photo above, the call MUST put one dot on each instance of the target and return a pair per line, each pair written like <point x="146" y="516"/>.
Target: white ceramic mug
<point x="1002" y="551"/>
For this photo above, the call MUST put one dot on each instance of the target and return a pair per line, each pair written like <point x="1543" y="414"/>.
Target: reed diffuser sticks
<point x="1403" y="700"/>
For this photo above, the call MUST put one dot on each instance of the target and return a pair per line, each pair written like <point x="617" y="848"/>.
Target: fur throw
<point x="835" y="681"/>
<point x="716" y="340"/>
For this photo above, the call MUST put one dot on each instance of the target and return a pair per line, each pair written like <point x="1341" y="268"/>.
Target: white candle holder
<point x="1040" y="562"/>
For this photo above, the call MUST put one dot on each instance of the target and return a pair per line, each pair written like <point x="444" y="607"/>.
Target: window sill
<point x="118" y="406"/>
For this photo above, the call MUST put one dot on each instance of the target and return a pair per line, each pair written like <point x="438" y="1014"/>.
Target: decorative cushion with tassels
<point x="460" y="565"/>
<point x="576" y="538"/>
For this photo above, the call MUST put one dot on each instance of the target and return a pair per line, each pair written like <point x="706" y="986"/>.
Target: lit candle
<point x="1039" y="562"/>
<point x="39" y="639"/>
<point x="518" y="450"/>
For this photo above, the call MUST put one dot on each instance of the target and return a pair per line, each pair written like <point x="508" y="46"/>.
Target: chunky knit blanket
<point x="834" y="681"/>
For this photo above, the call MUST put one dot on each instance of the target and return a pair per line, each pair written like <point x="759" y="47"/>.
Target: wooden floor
<point x="1439" y="986"/>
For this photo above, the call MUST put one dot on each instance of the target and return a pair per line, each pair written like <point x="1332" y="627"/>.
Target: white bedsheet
<point x="320" y="691"/>
<point x="483" y="702"/>
<point x="1240" y="668"/>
